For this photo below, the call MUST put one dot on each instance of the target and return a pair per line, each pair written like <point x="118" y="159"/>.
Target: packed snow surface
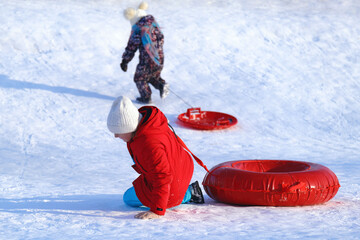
<point x="289" y="71"/>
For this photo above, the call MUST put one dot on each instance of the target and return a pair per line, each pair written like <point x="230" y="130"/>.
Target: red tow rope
<point x="195" y="157"/>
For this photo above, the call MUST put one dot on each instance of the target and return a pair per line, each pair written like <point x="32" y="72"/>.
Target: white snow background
<point x="289" y="71"/>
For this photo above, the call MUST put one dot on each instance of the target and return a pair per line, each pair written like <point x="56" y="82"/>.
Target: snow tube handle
<point x="195" y="113"/>
<point x="296" y="186"/>
<point x="222" y="122"/>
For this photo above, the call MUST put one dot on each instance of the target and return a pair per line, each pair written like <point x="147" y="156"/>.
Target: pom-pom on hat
<point x="123" y="117"/>
<point x="134" y="15"/>
<point x="129" y="13"/>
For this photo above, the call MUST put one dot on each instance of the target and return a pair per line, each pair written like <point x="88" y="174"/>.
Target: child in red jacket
<point x="148" y="38"/>
<point x="165" y="167"/>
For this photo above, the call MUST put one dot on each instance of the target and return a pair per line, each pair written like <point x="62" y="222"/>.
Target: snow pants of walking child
<point x="146" y="74"/>
<point x="132" y="200"/>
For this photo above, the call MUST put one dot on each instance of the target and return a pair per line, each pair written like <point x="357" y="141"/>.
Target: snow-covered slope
<point x="288" y="70"/>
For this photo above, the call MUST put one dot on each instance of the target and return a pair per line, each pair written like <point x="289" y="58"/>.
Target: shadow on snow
<point x="102" y="205"/>
<point x="5" y="82"/>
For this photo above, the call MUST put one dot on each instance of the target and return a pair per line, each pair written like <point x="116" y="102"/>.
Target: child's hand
<point x="147" y="215"/>
<point x="123" y="66"/>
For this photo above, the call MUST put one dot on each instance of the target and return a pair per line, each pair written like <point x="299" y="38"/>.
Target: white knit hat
<point x="135" y="15"/>
<point x="123" y="117"/>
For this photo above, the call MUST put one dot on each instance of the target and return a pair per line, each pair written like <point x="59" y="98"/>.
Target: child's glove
<point x="123" y="66"/>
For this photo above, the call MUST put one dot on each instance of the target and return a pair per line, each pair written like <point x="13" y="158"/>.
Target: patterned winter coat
<point x="164" y="166"/>
<point x="148" y="38"/>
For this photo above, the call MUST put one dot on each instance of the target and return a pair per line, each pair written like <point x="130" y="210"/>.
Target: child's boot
<point x="196" y="193"/>
<point x="164" y="90"/>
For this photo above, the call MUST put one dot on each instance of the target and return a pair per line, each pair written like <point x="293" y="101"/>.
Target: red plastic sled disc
<point x="271" y="183"/>
<point x="205" y="120"/>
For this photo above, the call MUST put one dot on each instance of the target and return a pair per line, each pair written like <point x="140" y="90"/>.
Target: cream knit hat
<point x="135" y="15"/>
<point x="123" y="117"/>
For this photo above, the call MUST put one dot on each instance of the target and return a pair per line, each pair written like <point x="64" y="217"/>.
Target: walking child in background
<point x="148" y="38"/>
<point x="165" y="167"/>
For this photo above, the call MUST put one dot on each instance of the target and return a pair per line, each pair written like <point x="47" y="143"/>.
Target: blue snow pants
<point x="132" y="200"/>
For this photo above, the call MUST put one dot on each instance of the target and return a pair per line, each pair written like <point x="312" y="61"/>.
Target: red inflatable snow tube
<point x="271" y="183"/>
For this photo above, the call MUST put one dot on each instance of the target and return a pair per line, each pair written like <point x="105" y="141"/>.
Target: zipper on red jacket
<point x="138" y="164"/>
<point x="135" y="160"/>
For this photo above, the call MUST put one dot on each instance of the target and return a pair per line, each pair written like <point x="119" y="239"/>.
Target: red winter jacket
<point x="165" y="168"/>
